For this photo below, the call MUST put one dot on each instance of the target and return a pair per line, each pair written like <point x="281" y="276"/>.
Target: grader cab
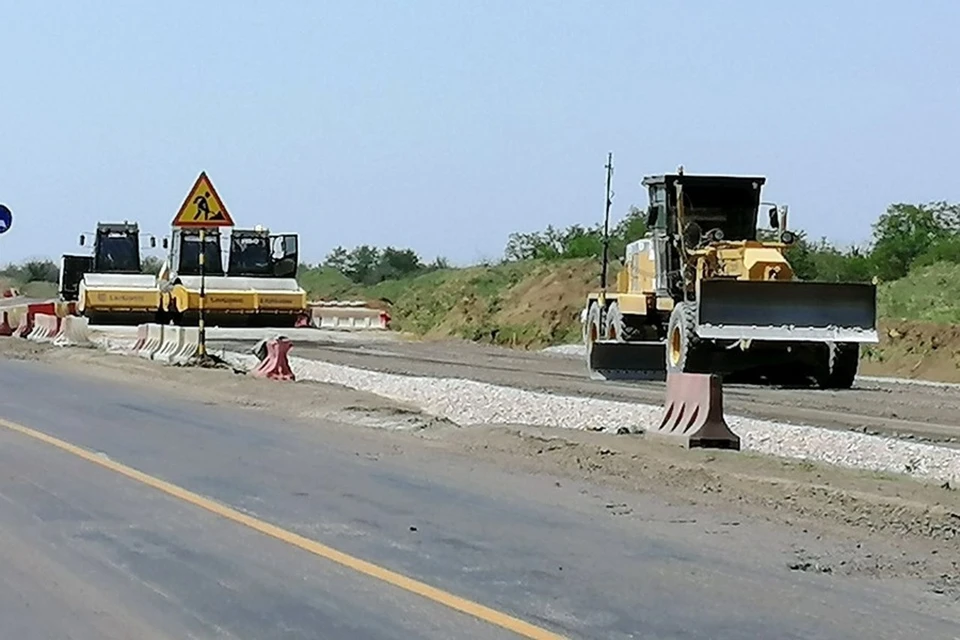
<point x="709" y="290"/>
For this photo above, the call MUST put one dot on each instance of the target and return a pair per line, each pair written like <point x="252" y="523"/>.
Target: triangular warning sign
<point x="203" y="207"/>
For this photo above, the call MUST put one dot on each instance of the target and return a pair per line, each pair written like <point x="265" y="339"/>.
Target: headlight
<point x="787" y="237"/>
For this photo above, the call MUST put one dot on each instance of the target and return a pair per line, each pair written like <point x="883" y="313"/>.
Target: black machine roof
<point x="705" y="179"/>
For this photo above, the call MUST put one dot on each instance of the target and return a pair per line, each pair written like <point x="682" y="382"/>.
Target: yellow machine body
<point x="721" y="297"/>
<point x="232" y="296"/>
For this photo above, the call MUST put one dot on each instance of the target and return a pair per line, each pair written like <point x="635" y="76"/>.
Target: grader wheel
<point x="683" y="344"/>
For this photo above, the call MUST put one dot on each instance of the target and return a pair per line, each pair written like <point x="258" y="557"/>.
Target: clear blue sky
<point x="444" y="126"/>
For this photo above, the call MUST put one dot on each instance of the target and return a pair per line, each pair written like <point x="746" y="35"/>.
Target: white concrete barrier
<point x="141" y="340"/>
<point x="338" y="303"/>
<point x="74" y="332"/>
<point x="172" y="342"/>
<point x="189" y="345"/>
<point x="152" y="342"/>
<point x="350" y="318"/>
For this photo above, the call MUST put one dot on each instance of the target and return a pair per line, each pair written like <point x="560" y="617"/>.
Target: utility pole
<point x="606" y="224"/>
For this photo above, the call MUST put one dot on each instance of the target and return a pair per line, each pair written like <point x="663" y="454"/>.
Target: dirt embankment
<point x="910" y="349"/>
<point x="530" y="305"/>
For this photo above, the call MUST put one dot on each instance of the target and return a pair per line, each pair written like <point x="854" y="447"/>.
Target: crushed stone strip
<point x="469" y="402"/>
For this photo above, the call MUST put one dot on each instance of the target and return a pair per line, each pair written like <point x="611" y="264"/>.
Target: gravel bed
<point x="467" y="402"/>
<point x="566" y="351"/>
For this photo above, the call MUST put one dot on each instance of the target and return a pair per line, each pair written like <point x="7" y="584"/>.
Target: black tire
<point x="592" y="326"/>
<point x="592" y="330"/>
<point x="840" y="368"/>
<point x="683" y="344"/>
<point x="623" y="328"/>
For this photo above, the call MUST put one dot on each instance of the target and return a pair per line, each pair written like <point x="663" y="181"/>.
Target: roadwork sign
<point x="203" y="207"/>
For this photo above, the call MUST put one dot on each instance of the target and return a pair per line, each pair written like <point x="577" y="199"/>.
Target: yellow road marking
<point x="492" y="616"/>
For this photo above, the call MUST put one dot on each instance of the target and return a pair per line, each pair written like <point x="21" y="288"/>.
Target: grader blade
<point x="788" y="311"/>
<point x="608" y="360"/>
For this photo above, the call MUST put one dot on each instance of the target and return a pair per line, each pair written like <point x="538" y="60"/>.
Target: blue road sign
<point x="6" y="219"/>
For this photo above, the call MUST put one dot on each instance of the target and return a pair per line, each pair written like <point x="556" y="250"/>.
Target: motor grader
<point x="705" y="292"/>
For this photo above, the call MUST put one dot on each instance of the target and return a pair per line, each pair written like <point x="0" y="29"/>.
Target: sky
<point x="445" y="126"/>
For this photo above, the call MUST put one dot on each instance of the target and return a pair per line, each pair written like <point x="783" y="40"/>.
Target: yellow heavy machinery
<point x="108" y="286"/>
<point x="258" y="287"/>
<point x="702" y="292"/>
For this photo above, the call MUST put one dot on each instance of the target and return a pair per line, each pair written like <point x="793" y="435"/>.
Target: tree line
<point x="369" y="265"/>
<point x="904" y="237"/>
<point x="49" y="271"/>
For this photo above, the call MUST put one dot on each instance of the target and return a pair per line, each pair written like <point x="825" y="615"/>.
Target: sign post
<point x="202" y="210"/>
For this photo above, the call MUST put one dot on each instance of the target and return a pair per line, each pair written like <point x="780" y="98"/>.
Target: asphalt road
<point x="91" y="548"/>
<point x="924" y="411"/>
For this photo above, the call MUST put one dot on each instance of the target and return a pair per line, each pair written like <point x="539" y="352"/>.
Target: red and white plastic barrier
<point x="275" y="365"/>
<point x="28" y="313"/>
<point x="45" y="328"/>
<point x="24" y="325"/>
<point x="6" y="330"/>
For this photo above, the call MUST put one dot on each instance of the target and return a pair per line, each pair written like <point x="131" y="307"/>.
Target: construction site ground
<point x="915" y="410"/>
<point x="852" y="548"/>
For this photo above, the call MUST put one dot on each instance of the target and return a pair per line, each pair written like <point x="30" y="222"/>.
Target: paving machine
<point x="108" y="286"/>
<point x="702" y="292"/>
<point x="257" y="288"/>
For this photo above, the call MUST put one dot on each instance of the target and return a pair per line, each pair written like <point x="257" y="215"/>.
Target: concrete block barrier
<point x="276" y="364"/>
<point x="140" y="341"/>
<point x="189" y="346"/>
<point x="693" y="416"/>
<point x="152" y="341"/>
<point x="74" y="332"/>
<point x="338" y="303"/>
<point x="171" y="344"/>
<point x="350" y="318"/>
